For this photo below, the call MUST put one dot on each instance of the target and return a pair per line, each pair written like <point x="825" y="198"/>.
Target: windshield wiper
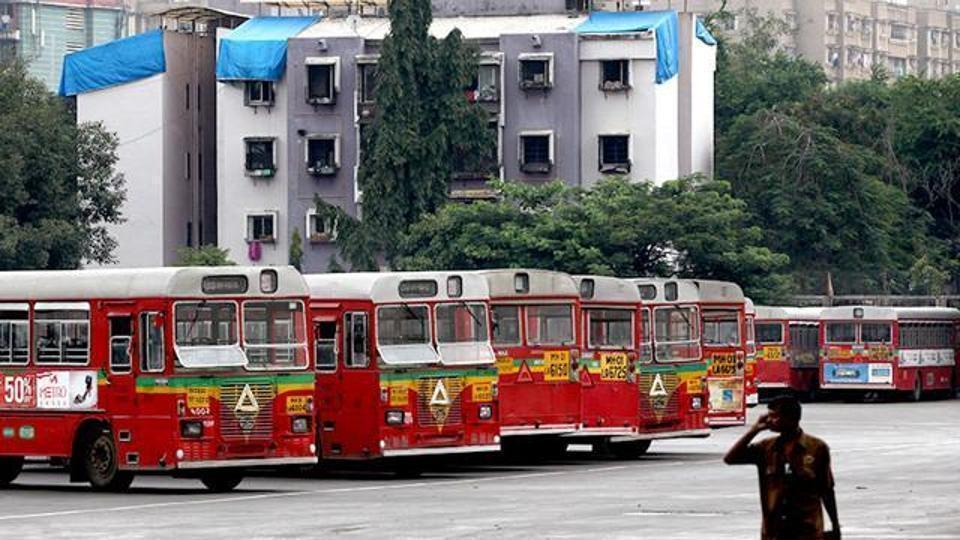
<point x="471" y="313"/>
<point x="194" y="321"/>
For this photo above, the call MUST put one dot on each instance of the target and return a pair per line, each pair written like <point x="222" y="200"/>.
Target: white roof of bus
<point x="610" y="289"/>
<point x="686" y="290"/>
<point x="175" y="282"/>
<point x="748" y="307"/>
<point x="542" y="283"/>
<point x="384" y="287"/>
<point x="890" y="313"/>
<point x="719" y="291"/>
<point x="788" y="313"/>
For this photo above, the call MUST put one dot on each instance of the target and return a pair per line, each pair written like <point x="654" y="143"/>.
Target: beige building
<point x="850" y="37"/>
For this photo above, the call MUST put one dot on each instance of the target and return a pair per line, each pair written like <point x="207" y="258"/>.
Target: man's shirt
<point x="791" y="486"/>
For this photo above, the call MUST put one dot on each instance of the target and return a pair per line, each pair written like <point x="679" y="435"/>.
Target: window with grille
<point x="258" y="93"/>
<point x="260" y="157"/>
<point x="614" y="154"/>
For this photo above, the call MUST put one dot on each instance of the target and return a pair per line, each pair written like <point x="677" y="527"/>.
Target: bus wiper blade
<point x="471" y="313"/>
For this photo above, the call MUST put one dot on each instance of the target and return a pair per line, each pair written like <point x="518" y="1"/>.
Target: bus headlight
<point x="696" y="402"/>
<point x="191" y="429"/>
<point x="300" y="424"/>
<point x="394" y="418"/>
<point x="486" y="412"/>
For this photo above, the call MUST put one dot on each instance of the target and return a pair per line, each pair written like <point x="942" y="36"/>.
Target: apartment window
<point x="368" y="83"/>
<point x="899" y="32"/>
<point x="833" y="57"/>
<point x="319" y="229"/>
<point x="832" y="22"/>
<point x="323" y="155"/>
<point x="486" y="86"/>
<point x="536" y="152"/>
<point x="614" y="75"/>
<point x="614" y="154"/>
<point x="322" y="81"/>
<point x="898" y="66"/>
<point x="260" y="157"/>
<point x="258" y="93"/>
<point x="261" y="227"/>
<point x="536" y="71"/>
<point x="934" y="38"/>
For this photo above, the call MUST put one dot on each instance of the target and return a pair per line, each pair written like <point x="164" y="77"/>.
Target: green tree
<point x="59" y="184"/>
<point x="423" y="120"/>
<point x="296" y="249"/>
<point x="208" y="255"/>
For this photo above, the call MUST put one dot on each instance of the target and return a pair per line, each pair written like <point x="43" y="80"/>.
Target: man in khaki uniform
<point x="795" y="475"/>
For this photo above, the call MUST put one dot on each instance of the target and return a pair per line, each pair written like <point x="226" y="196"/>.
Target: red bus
<point x="722" y="312"/>
<point x="750" y="368"/>
<point x="672" y="373"/>
<point x="905" y="350"/>
<point x="788" y="341"/>
<point x="404" y="364"/>
<point x="197" y="372"/>
<point x="536" y="342"/>
<point x="609" y="399"/>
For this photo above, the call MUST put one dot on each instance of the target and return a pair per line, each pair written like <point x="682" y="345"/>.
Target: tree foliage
<point x="689" y="227"/>
<point x="59" y="183"/>
<point x="208" y="255"/>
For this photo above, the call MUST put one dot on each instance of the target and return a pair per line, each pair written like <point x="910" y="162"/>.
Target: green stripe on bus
<point x="408" y="375"/>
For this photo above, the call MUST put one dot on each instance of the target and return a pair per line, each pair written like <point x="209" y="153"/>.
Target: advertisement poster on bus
<point x="53" y="390"/>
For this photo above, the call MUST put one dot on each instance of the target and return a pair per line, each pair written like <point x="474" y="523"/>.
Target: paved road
<point x="896" y="467"/>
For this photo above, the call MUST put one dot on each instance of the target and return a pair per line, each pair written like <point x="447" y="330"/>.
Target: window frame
<point x="245" y="346"/>
<point x="263" y="172"/>
<point x="536" y="167"/>
<point x="888" y="324"/>
<point x="549" y="71"/>
<point x="613" y="167"/>
<point x="465" y="304"/>
<point x="694" y="324"/>
<point x="60" y="306"/>
<point x="615" y="86"/>
<point x="129" y="338"/>
<point x="348" y="351"/>
<point x="826" y="333"/>
<point x="26" y="322"/>
<point x="519" y="318"/>
<point x="756" y="331"/>
<point x="143" y="345"/>
<point x="328" y="170"/>
<point x="263" y="101"/>
<point x="329" y="62"/>
<point x="263" y="214"/>
<point x="586" y="321"/>
<point x="336" y="346"/>
<point x="363" y="88"/>
<point x="317" y="238"/>
<point x="494" y="64"/>
<point x="541" y="343"/>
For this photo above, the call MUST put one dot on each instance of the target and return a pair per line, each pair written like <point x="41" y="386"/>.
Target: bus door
<point x="122" y="356"/>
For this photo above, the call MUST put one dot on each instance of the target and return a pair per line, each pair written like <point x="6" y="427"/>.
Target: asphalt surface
<point x="896" y="467"/>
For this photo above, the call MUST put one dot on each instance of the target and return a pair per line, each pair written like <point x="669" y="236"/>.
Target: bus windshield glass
<point x="721" y="328"/>
<point x="206" y="335"/>
<point x="769" y="333"/>
<point x="876" y="333"/>
<point x="550" y="325"/>
<point x="461" y="323"/>
<point x="275" y="335"/>
<point x="841" y="332"/>
<point x="403" y="325"/>
<point x="610" y="328"/>
<point x="676" y="334"/>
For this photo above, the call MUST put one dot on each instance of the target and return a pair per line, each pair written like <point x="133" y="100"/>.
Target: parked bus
<point x="673" y="391"/>
<point x="722" y="306"/>
<point x="609" y="400"/>
<point x="907" y="350"/>
<point x="196" y="372"/>
<point x="788" y="341"/>
<point x="750" y="368"/>
<point x="404" y="364"/>
<point x="536" y="341"/>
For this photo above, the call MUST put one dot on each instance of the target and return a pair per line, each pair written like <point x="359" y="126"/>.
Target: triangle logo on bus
<point x="440" y="394"/>
<point x="524" y="375"/>
<point x="657" y="389"/>
<point x="247" y="402"/>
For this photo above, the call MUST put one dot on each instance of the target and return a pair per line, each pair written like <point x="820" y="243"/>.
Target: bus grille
<point x="438" y="401"/>
<point x="659" y="401"/>
<point x="246" y="410"/>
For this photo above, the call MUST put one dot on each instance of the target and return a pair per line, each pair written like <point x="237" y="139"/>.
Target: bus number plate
<point x="482" y="392"/>
<point x="613" y="367"/>
<point x="556" y="366"/>
<point x="297" y="404"/>
<point x="724" y="365"/>
<point x="773" y="353"/>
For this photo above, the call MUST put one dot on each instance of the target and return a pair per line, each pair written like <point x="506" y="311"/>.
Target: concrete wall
<point x="538" y="110"/>
<point x="698" y="64"/>
<point x="180" y="138"/>
<point x="134" y="112"/>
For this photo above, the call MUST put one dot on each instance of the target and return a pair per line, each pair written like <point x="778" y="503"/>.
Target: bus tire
<point x="222" y="481"/>
<point x="629" y="450"/>
<point x="101" y="463"/>
<point x="10" y="468"/>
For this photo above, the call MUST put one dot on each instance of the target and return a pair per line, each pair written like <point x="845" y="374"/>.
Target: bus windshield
<point x="676" y="333"/>
<point x="769" y="332"/>
<point x="610" y="328"/>
<point x="206" y="335"/>
<point x="721" y="328"/>
<point x="403" y="325"/>
<point x="550" y="325"/>
<point x="841" y="332"/>
<point x="274" y="335"/>
<point x="461" y="323"/>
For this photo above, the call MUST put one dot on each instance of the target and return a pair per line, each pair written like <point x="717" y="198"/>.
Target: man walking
<point x="795" y="475"/>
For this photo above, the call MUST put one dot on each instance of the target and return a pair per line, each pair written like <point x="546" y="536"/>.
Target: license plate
<point x="613" y="367"/>
<point x="556" y="366"/>
<point x="724" y="365"/>
<point x="482" y="392"/>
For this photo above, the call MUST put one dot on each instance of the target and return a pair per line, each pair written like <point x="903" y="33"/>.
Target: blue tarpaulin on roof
<point x="257" y="49"/>
<point x="664" y="24"/>
<point x="113" y="63"/>
<point x="703" y="34"/>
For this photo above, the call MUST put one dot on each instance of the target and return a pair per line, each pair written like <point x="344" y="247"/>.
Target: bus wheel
<point x="917" y="393"/>
<point x="10" y="468"/>
<point x="629" y="450"/>
<point x="101" y="465"/>
<point x="222" y="481"/>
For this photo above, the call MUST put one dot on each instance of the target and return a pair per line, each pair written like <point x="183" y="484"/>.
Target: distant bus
<point x="906" y="350"/>
<point x="750" y="368"/>
<point x="404" y="364"/>
<point x="198" y="372"/>
<point x="536" y="338"/>
<point x="788" y="350"/>
<point x="722" y="313"/>
<point x="672" y="375"/>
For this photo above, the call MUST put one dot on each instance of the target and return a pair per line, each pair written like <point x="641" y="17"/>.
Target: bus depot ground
<point x="896" y="468"/>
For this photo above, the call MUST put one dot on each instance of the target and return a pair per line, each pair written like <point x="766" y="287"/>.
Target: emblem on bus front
<point x="440" y="403"/>
<point x="247" y="409"/>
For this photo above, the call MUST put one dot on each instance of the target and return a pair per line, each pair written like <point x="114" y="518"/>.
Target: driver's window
<point x="355" y="353"/>
<point x="151" y="342"/>
<point x="121" y="337"/>
<point x="326" y="345"/>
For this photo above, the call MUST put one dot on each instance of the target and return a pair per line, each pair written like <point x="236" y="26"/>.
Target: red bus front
<point x="724" y="349"/>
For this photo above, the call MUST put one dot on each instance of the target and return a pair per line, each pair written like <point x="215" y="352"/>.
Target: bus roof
<point x="788" y="313"/>
<point x="542" y="283"/>
<point x="111" y="283"/>
<point x="686" y="290"/>
<point x="843" y="313"/>
<point x="719" y="291"/>
<point x="608" y="289"/>
<point x="748" y="307"/>
<point x="385" y="287"/>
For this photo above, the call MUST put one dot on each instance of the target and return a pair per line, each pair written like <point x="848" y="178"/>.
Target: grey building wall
<point x="453" y="8"/>
<point x="555" y="109"/>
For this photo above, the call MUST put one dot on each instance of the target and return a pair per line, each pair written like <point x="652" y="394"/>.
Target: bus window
<point x="151" y="343"/>
<point x="403" y="325"/>
<point x="355" y="340"/>
<point x="461" y="323"/>
<point x="506" y="325"/>
<point x="274" y="334"/>
<point x="326" y="345"/>
<point x="677" y="336"/>
<point x="769" y="332"/>
<point x="876" y="333"/>
<point x="550" y="325"/>
<point x="721" y="328"/>
<point x="62" y="336"/>
<point x="610" y="328"/>
<point x="207" y="324"/>
<point x="841" y="332"/>
<point x="14" y="336"/>
<point x="646" y="345"/>
<point x="121" y="337"/>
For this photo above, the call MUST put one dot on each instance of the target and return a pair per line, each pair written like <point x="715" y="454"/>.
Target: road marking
<point x="678" y="513"/>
